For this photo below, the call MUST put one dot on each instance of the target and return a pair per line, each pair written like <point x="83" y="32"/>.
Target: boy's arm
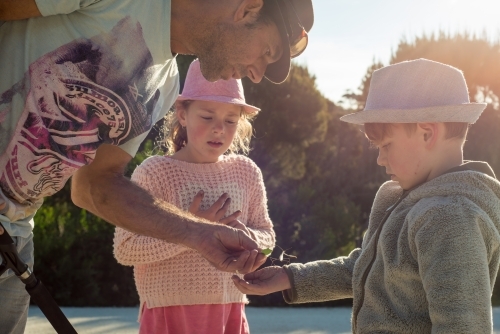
<point x="321" y="280"/>
<point x="301" y="283"/>
<point x="455" y="245"/>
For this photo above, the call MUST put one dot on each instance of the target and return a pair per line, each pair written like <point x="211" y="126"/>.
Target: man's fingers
<point x="195" y="204"/>
<point x="246" y="242"/>
<point x="249" y="264"/>
<point x="232" y="217"/>
<point x="259" y="261"/>
<point x="238" y="263"/>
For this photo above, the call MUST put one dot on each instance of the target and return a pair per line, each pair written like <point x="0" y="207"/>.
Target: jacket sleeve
<point x="131" y="248"/>
<point x="320" y="281"/>
<point x="259" y="224"/>
<point x="455" y="244"/>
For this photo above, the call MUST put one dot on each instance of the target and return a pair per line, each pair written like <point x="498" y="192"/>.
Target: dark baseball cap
<point x="294" y="19"/>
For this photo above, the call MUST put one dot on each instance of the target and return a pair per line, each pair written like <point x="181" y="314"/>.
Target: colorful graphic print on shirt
<point x="85" y="93"/>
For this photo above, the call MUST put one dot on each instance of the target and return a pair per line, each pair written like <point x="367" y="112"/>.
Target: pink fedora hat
<point x="196" y="87"/>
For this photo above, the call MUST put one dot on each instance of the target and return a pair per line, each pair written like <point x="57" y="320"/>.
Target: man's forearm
<point x="18" y="9"/>
<point x="119" y="201"/>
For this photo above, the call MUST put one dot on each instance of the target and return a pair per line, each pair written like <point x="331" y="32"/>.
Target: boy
<point x="430" y="256"/>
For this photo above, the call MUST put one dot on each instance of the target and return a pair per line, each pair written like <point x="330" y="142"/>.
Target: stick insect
<point x="284" y="257"/>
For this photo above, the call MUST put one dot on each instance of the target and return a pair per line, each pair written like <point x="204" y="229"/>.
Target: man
<point x="82" y="84"/>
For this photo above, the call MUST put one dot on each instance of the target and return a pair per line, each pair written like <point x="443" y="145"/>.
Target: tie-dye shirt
<point x="87" y="72"/>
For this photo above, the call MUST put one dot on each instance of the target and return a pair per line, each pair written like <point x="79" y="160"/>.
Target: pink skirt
<point x="194" y="319"/>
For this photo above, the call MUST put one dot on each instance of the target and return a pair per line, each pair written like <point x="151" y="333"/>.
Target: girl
<point x="179" y="291"/>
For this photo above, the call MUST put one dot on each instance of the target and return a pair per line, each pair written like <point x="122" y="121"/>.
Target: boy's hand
<point x="216" y="212"/>
<point x="263" y="282"/>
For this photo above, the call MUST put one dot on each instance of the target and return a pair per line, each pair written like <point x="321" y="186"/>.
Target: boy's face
<point x="402" y="154"/>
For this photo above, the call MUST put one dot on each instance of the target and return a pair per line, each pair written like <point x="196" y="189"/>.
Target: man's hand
<point x="240" y="226"/>
<point x="216" y="212"/>
<point x="263" y="282"/>
<point x="101" y="188"/>
<point x="226" y="248"/>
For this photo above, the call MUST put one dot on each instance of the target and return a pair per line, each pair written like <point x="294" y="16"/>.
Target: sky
<point x="348" y="35"/>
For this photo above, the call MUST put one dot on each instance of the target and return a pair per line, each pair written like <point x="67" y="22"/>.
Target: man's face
<point x="239" y="50"/>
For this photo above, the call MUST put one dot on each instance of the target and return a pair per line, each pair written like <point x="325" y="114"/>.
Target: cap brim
<point x="277" y="72"/>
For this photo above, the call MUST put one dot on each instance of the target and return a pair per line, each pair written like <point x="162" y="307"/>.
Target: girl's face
<point x="211" y="127"/>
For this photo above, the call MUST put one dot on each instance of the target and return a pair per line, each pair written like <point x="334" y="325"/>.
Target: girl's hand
<point x="216" y="212"/>
<point x="263" y="282"/>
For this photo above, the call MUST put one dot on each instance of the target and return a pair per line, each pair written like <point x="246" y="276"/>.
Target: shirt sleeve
<point x="132" y="248"/>
<point x="322" y="280"/>
<point x="454" y="243"/>
<point x="55" y="7"/>
<point x="259" y="224"/>
<point x="132" y="146"/>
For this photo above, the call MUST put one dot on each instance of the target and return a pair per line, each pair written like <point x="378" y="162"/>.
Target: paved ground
<point x="263" y="320"/>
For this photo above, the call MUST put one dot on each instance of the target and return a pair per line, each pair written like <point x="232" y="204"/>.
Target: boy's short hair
<point x="377" y="132"/>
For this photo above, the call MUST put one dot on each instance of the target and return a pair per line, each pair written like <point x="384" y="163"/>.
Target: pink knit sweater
<point x="168" y="274"/>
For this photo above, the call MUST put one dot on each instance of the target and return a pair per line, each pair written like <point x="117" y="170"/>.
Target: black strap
<point x="38" y="292"/>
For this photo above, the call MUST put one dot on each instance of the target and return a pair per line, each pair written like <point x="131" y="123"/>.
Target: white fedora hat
<point x="417" y="91"/>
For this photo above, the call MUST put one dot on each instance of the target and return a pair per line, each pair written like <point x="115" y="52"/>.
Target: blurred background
<point x="321" y="176"/>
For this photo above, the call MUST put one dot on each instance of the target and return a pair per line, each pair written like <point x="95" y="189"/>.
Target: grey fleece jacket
<point x="428" y="267"/>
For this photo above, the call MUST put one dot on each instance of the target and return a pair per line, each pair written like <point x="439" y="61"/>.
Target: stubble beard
<point x="213" y="53"/>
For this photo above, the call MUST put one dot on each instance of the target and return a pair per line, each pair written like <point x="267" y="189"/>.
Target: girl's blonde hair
<point x="174" y="137"/>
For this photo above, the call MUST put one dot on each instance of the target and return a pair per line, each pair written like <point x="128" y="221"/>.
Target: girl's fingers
<point x="232" y="217"/>
<point x="195" y="204"/>
<point x="217" y="204"/>
<point x="222" y="211"/>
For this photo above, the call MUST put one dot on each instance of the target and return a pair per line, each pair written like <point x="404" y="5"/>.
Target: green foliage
<point x="74" y="252"/>
<point x="74" y="256"/>
<point x="266" y="251"/>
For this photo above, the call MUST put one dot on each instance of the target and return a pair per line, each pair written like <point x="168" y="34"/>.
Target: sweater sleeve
<point x="454" y="242"/>
<point x="321" y="280"/>
<point x="131" y="248"/>
<point x="259" y="224"/>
